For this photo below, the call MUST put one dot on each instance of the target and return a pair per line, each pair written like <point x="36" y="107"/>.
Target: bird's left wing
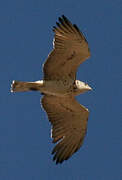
<point x="70" y="50"/>
<point x="69" y="124"/>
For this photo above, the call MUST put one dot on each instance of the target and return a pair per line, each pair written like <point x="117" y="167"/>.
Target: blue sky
<point x="25" y="41"/>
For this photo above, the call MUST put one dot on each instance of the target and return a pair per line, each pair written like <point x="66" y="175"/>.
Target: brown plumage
<point x="59" y="87"/>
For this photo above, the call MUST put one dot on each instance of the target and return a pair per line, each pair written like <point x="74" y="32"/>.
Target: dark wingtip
<point x="64" y="17"/>
<point x="54" y="28"/>
<point x="52" y="151"/>
<point x="57" y="162"/>
<point x="54" y="157"/>
<point x="75" y="26"/>
<point x="59" y="19"/>
<point x="58" y="24"/>
<point x="66" y="20"/>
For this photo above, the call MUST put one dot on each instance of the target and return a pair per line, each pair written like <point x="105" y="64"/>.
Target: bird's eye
<point x="86" y="84"/>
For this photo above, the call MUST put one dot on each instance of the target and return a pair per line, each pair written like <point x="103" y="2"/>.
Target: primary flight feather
<point x="59" y="87"/>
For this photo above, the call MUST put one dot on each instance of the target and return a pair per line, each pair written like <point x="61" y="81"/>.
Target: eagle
<point x="59" y="87"/>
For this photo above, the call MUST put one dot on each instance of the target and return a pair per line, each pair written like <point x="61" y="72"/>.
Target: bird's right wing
<point x="69" y="124"/>
<point x="70" y="50"/>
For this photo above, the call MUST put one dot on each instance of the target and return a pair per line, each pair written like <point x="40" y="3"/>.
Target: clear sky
<point x="25" y="41"/>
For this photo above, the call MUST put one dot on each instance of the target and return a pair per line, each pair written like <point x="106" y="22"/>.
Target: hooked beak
<point x="89" y="88"/>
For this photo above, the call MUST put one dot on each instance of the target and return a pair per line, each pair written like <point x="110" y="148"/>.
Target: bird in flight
<point x="59" y="87"/>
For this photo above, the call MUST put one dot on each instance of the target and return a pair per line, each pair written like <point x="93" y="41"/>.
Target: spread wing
<point x="70" y="50"/>
<point x="69" y="124"/>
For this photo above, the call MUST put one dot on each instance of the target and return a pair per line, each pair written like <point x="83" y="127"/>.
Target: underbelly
<point x="57" y="88"/>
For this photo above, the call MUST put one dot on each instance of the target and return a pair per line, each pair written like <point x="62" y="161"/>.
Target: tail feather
<point x="19" y="86"/>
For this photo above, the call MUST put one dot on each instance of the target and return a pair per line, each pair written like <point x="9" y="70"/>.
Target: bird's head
<point x="81" y="87"/>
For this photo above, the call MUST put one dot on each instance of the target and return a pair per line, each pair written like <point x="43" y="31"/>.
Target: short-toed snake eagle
<point x="59" y="87"/>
